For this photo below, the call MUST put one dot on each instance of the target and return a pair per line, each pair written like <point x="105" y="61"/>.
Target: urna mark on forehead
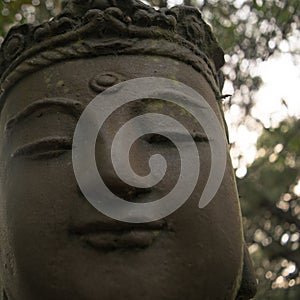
<point x="54" y="87"/>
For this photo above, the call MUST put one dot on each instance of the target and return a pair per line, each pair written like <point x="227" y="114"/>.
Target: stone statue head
<point x="54" y="243"/>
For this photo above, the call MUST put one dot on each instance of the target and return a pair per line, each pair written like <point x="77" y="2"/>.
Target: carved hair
<point x="87" y="28"/>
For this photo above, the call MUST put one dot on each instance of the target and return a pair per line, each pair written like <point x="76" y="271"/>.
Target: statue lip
<point x="112" y="235"/>
<point x="116" y="226"/>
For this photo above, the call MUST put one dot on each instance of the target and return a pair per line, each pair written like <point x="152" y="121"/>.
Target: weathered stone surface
<point x="54" y="244"/>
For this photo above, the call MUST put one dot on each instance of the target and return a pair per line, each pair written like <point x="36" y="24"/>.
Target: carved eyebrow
<point x="75" y="108"/>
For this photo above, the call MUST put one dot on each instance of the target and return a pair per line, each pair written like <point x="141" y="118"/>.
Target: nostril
<point x="127" y="192"/>
<point x="122" y="190"/>
<point x="139" y="192"/>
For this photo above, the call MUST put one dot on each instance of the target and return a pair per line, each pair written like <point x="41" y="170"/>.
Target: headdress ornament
<point x="87" y="28"/>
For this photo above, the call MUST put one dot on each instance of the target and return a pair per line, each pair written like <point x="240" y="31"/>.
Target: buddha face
<point x="56" y="245"/>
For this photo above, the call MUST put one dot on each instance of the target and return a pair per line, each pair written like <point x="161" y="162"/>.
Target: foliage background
<point x="250" y="31"/>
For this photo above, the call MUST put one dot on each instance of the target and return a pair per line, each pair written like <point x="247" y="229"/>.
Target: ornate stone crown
<point x="87" y="28"/>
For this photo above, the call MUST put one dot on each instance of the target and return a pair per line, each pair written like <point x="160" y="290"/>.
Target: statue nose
<point x="108" y="173"/>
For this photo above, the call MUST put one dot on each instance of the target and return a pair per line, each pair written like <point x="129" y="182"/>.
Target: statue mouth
<point x="109" y="236"/>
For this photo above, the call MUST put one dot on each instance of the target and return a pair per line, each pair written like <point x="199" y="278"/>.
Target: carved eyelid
<point x="40" y="147"/>
<point x="160" y="138"/>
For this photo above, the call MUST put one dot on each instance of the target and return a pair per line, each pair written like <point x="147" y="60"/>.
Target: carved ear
<point x="248" y="286"/>
<point x="221" y="79"/>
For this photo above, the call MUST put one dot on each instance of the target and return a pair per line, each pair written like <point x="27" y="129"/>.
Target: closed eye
<point x="183" y="138"/>
<point x="45" y="148"/>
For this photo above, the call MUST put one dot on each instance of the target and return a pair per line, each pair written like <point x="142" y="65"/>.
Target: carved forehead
<point x="83" y="79"/>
